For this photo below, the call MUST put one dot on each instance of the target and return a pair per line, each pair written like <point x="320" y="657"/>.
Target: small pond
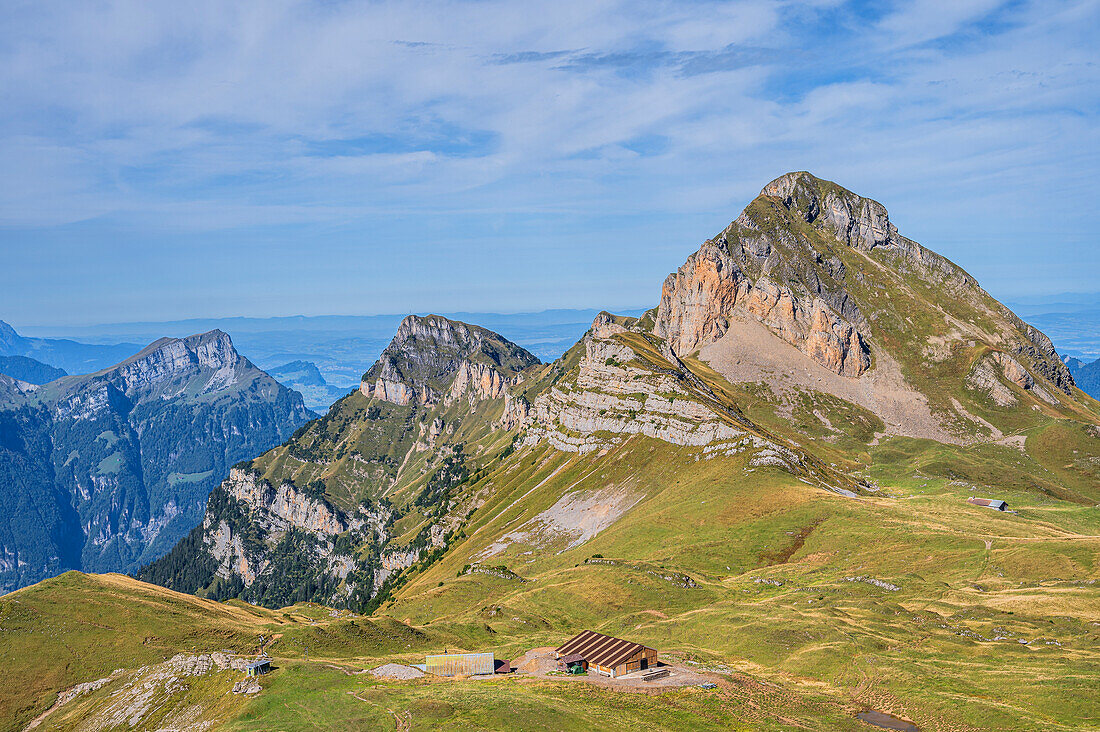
<point x="887" y="721"/>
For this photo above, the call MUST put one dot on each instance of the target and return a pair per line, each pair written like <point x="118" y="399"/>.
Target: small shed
<point x="993" y="503"/>
<point x="461" y="664"/>
<point x="609" y="656"/>
<point x="566" y="663"/>
<point x="258" y="667"/>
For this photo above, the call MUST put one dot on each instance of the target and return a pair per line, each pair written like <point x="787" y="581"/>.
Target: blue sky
<point x="169" y="160"/>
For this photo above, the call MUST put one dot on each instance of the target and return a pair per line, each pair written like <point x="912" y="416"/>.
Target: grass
<point x="76" y="627"/>
<point x="812" y="645"/>
<point x="312" y="697"/>
<point x="943" y="650"/>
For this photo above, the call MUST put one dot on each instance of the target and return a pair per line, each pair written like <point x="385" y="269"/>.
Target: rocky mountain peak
<point x="169" y="360"/>
<point x="428" y="353"/>
<point x="861" y="223"/>
<point x="763" y="267"/>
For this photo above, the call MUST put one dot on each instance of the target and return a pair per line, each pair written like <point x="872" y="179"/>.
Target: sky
<point x="165" y="160"/>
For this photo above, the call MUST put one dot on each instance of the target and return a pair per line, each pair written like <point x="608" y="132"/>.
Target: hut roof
<point x="991" y="502"/>
<point x="599" y="649"/>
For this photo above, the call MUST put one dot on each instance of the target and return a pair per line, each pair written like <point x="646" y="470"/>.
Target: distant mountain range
<point x="69" y="355"/>
<point x="1087" y="375"/>
<point x="29" y="370"/>
<point x="305" y="378"/>
<point x="106" y="471"/>
<point x="337" y="345"/>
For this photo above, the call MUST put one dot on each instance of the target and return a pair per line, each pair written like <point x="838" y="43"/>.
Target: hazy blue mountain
<point x="107" y="471"/>
<point x="29" y="370"/>
<point x="305" y="373"/>
<point x="1087" y="375"/>
<point x="305" y="378"/>
<point x="71" y="356"/>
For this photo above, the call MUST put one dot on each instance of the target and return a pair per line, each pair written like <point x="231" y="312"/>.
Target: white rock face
<point x="284" y="506"/>
<point x="394" y="392"/>
<point x="477" y="381"/>
<point x="615" y="396"/>
<point x="984" y="378"/>
<point x="275" y="510"/>
<point x="516" y="411"/>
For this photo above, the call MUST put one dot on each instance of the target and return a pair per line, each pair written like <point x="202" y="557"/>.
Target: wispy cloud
<point x="971" y="119"/>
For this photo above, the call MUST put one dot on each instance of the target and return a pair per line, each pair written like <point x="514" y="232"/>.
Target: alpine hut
<point x="258" y="667"/>
<point x="988" y="503"/>
<point x="608" y="656"/>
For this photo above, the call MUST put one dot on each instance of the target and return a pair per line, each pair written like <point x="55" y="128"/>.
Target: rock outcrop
<point x="984" y="377"/>
<point x="255" y="531"/>
<point x="284" y="506"/>
<point x="699" y="299"/>
<point x="432" y="358"/>
<point x="616" y="393"/>
<point x="775" y="274"/>
<point x="814" y="263"/>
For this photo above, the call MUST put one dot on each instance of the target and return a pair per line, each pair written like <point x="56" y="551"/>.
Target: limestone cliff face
<point x="249" y="519"/>
<point x="433" y="359"/>
<point x="282" y="507"/>
<point x="617" y="394"/>
<point x="773" y="274"/>
<point x="478" y="381"/>
<point x="516" y="411"/>
<point x="698" y="300"/>
<point x="986" y="377"/>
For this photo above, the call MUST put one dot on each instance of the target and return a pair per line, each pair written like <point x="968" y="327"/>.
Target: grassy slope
<point x="925" y="651"/>
<point x="76" y="627"/>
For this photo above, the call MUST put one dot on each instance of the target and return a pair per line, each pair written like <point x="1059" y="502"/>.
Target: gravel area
<point x="750" y="352"/>
<point x="396" y="671"/>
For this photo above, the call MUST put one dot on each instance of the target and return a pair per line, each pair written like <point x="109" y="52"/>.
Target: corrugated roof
<point x="260" y="662"/>
<point x="986" y="502"/>
<point x="600" y="649"/>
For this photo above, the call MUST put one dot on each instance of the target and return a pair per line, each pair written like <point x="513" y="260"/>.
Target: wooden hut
<point x="609" y="656"/>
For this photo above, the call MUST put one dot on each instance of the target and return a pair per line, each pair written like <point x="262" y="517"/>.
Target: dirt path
<point x="402" y="722"/>
<point x="42" y="717"/>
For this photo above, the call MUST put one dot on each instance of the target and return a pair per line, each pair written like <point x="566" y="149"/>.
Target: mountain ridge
<point x="127" y="454"/>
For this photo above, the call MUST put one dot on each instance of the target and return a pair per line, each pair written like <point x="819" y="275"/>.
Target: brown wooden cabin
<point x="608" y="656"/>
